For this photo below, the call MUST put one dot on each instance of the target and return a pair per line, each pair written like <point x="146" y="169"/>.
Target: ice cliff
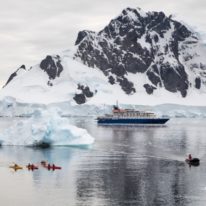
<point x="45" y="128"/>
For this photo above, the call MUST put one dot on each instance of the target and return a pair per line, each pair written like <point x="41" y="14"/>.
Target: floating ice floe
<point x="45" y="128"/>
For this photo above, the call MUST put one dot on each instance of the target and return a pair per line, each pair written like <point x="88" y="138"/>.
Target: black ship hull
<point x="132" y="120"/>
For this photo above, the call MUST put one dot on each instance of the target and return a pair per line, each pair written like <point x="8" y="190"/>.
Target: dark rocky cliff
<point x="137" y="42"/>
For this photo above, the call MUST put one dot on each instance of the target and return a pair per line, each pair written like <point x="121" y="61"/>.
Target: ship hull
<point x="132" y="121"/>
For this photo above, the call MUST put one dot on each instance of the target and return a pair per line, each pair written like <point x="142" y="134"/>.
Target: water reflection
<point x="125" y="166"/>
<point x="148" y="169"/>
<point x="125" y="179"/>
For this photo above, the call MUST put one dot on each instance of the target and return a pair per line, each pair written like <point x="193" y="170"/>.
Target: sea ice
<point x="45" y="127"/>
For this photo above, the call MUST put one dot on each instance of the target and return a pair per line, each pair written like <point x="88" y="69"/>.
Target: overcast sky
<point x="31" y="29"/>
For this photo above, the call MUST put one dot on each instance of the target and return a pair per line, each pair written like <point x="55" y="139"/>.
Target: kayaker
<point x="49" y="166"/>
<point x="43" y="163"/>
<point x="190" y="157"/>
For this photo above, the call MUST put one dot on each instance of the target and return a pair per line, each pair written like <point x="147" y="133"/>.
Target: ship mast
<point x="117" y="104"/>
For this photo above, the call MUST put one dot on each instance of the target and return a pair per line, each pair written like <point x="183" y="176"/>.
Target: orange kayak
<point x="16" y="167"/>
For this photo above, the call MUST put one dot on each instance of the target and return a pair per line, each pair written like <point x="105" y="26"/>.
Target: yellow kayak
<point x="16" y="167"/>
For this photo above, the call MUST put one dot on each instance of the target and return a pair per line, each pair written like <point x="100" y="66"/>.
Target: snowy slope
<point x="138" y="58"/>
<point x="32" y="87"/>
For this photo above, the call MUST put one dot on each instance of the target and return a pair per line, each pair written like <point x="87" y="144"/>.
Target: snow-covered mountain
<point x="138" y="58"/>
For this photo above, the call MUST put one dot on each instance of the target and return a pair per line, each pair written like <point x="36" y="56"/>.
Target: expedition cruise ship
<point x="130" y="116"/>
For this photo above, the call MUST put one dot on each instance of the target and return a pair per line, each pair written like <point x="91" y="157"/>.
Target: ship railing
<point x="123" y="117"/>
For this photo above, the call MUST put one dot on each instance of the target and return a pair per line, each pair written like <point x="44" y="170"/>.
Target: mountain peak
<point x="138" y="42"/>
<point x="21" y="69"/>
<point x="82" y="35"/>
<point x="133" y="13"/>
<point x="136" y="53"/>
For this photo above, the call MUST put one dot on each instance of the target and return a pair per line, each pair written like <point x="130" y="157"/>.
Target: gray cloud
<point x="30" y="29"/>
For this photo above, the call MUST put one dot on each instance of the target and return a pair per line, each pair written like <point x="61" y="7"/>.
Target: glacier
<point x="10" y="107"/>
<point x="45" y="127"/>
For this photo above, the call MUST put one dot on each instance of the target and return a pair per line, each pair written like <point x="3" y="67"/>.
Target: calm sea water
<point x="126" y="166"/>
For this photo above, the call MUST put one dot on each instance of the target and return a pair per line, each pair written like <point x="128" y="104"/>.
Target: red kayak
<point x="53" y="167"/>
<point x="32" y="167"/>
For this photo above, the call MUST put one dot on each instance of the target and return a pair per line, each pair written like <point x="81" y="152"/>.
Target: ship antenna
<point x="117" y="104"/>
